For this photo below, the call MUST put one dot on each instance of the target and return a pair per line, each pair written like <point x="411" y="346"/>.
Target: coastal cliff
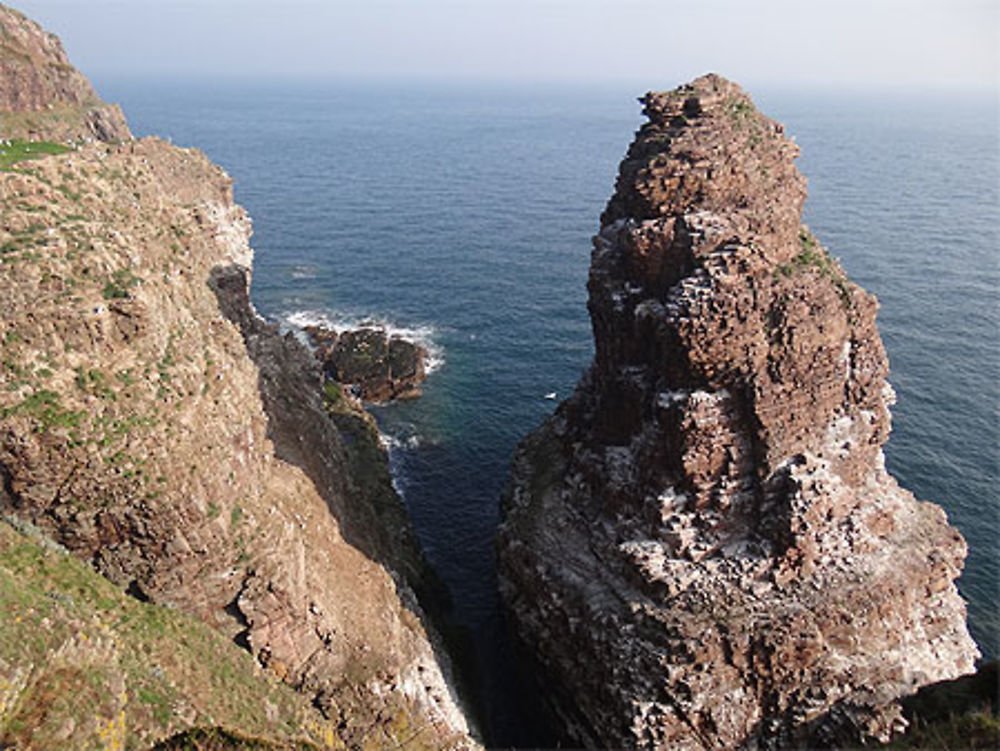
<point x="42" y="95"/>
<point x="156" y="429"/>
<point x="702" y="548"/>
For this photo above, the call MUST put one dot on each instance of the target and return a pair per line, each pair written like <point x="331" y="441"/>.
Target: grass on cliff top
<point x="14" y="151"/>
<point x="967" y="731"/>
<point x="70" y="121"/>
<point x="811" y="255"/>
<point x="83" y="665"/>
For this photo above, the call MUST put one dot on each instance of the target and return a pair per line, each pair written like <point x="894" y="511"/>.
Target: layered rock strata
<point x="156" y="428"/>
<point x="378" y="366"/>
<point x="702" y="548"/>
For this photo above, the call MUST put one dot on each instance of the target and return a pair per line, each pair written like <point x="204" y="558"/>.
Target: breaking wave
<point x="424" y="335"/>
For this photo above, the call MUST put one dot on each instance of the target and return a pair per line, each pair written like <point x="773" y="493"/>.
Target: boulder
<point x="378" y="366"/>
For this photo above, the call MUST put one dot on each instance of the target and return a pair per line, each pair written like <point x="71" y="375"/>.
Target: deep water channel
<point x="464" y="215"/>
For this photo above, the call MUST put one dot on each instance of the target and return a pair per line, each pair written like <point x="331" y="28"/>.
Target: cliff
<point x="42" y="96"/>
<point x="702" y="547"/>
<point x="157" y="429"/>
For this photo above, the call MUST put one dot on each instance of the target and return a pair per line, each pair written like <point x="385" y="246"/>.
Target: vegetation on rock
<point x="84" y="665"/>
<point x="17" y="150"/>
<point x="702" y="547"/>
<point x="185" y="457"/>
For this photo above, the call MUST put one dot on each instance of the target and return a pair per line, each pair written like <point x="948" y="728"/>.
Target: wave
<point x="393" y="443"/>
<point x="303" y="271"/>
<point x="397" y="446"/>
<point x="424" y="335"/>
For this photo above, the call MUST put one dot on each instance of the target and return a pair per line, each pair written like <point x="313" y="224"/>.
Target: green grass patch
<point x="12" y="152"/>
<point x="163" y="658"/>
<point x="955" y="732"/>
<point x="46" y="407"/>
<point x="333" y="397"/>
<point x="740" y="109"/>
<point x="953" y="715"/>
<point x="70" y="194"/>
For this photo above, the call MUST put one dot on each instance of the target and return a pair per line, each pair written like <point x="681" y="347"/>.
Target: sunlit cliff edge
<point x="195" y="543"/>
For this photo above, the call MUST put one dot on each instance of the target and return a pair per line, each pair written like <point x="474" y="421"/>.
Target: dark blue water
<point x="466" y="214"/>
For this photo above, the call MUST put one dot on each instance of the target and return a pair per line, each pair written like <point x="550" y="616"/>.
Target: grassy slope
<point x="74" y="226"/>
<point x="82" y="665"/>
<point x="14" y="151"/>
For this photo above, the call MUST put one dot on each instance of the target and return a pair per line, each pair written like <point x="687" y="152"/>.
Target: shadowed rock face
<point x="41" y="95"/>
<point x="702" y="548"/>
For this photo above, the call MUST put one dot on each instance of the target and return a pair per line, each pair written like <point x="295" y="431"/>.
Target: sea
<point x="462" y="215"/>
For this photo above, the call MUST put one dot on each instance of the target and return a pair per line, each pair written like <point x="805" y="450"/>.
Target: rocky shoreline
<point x="201" y="544"/>
<point x="376" y="366"/>
<point x="154" y="428"/>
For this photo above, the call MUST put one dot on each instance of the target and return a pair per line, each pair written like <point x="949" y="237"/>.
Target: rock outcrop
<point x="377" y="365"/>
<point x="153" y="425"/>
<point x="702" y="548"/>
<point x="42" y="96"/>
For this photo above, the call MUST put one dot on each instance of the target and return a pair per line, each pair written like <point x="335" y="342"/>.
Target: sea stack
<point x="702" y="548"/>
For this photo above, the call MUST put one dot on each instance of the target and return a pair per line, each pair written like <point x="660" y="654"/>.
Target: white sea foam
<point x="394" y="443"/>
<point x="668" y="399"/>
<point x="424" y="335"/>
<point x="396" y="446"/>
<point x="303" y="272"/>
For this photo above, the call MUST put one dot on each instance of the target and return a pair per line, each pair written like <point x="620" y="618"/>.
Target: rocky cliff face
<point x="42" y="95"/>
<point x="702" y="548"/>
<point x="153" y="425"/>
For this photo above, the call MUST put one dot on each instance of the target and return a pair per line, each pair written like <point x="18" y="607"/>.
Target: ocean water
<point x="464" y="215"/>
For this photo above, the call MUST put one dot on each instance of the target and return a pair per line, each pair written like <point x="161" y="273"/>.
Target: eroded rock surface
<point x="42" y="96"/>
<point x="379" y="366"/>
<point x="702" y="548"/>
<point x="153" y="425"/>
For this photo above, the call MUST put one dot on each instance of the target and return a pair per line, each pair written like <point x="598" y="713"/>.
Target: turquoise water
<point x="465" y="215"/>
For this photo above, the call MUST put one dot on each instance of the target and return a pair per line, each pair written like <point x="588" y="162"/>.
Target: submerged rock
<point x="380" y="367"/>
<point x="702" y="547"/>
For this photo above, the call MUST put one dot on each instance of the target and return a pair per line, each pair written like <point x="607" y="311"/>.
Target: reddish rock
<point x="322" y="339"/>
<point x="702" y="548"/>
<point x="157" y="428"/>
<point x="378" y="366"/>
<point x="42" y="96"/>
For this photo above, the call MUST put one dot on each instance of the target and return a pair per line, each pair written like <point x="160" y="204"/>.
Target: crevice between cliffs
<point x="315" y="428"/>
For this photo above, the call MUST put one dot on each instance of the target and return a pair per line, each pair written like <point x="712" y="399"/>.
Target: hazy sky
<point x="874" y="43"/>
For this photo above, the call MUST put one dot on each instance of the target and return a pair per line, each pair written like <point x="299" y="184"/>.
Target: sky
<point x="871" y="44"/>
